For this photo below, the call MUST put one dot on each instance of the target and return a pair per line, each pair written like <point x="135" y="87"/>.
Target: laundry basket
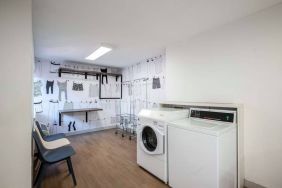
<point x="125" y="126"/>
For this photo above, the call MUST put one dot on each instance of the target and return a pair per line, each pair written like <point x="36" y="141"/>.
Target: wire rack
<point x="126" y="126"/>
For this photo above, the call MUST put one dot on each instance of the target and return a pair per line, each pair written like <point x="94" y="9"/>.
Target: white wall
<point x="139" y="79"/>
<point x="16" y="57"/>
<point x="238" y="63"/>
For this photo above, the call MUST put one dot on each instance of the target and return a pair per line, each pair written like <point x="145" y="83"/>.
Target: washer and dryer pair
<point x="196" y="151"/>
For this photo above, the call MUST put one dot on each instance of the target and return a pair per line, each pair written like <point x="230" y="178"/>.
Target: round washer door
<point x="151" y="140"/>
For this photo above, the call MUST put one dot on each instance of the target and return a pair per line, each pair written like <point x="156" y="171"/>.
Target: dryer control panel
<point x="214" y="115"/>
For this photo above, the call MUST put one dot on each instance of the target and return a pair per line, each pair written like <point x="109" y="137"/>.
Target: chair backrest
<point x="49" y="145"/>
<point x="40" y="129"/>
<point x="40" y="147"/>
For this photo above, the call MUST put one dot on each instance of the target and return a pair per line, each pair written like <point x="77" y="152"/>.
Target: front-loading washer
<point x="152" y="139"/>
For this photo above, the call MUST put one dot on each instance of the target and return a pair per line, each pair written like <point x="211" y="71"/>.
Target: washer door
<point x="151" y="140"/>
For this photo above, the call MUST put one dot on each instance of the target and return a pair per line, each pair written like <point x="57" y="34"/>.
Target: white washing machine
<point x="152" y="139"/>
<point x="202" y="150"/>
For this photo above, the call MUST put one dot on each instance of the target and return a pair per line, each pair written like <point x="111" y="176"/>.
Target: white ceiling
<point x="72" y="29"/>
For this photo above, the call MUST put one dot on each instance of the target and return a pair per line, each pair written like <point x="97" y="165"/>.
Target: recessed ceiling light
<point x="98" y="53"/>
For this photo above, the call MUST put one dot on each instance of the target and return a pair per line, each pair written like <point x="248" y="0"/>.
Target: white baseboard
<point x="249" y="184"/>
<point x="95" y="129"/>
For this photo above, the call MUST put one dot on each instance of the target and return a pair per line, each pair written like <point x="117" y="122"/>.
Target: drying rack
<point x="127" y="123"/>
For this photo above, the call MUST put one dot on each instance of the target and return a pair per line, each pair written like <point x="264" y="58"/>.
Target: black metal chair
<point x="49" y="137"/>
<point x="48" y="157"/>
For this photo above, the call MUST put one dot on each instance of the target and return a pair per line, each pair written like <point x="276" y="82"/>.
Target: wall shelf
<point x="92" y="73"/>
<point x="84" y="72"/>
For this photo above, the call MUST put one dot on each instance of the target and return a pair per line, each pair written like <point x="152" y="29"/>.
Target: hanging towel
<point x="37" y="88"/>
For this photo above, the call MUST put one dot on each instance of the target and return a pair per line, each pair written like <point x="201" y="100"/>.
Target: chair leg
<point x="71" y="170"/>
<point x="68" y="166"/>
<point x="40" y="175"/>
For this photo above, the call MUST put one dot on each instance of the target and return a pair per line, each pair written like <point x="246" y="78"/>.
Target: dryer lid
<point x="164" y="114"/>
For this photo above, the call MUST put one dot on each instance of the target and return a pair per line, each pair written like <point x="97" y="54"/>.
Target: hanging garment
<point x="54" y="67"/>
<point x="104" y="76"/>
<point x="62" y="88"/>
<point x="129" y="89"/>
<point x="97" y="76"/>
<point x="93" y="90"/>
<point x="49" y="85"/>
<point x="38" y="68"/>
<point x="38" y="107"/>
<point x="156" y="83"/>
<point x="77" y="87"/>
<point x="117" y="78"/>
<point x="37" y="88"/>
<point x="53" y="113"/>
<point x="68" y="105"/>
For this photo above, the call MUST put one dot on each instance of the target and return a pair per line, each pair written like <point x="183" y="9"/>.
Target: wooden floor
<point x="102" y="160"/>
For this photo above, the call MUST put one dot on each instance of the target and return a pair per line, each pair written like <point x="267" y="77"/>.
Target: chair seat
<point x="55" y="155"/>
<point x="54" y="137"/>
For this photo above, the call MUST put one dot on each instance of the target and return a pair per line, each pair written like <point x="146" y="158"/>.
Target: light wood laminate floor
<point x="102" y="160"/>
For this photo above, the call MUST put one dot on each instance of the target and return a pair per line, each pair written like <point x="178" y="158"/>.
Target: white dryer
<point x="202" y="150"/>
<point x="152" y="139"/>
